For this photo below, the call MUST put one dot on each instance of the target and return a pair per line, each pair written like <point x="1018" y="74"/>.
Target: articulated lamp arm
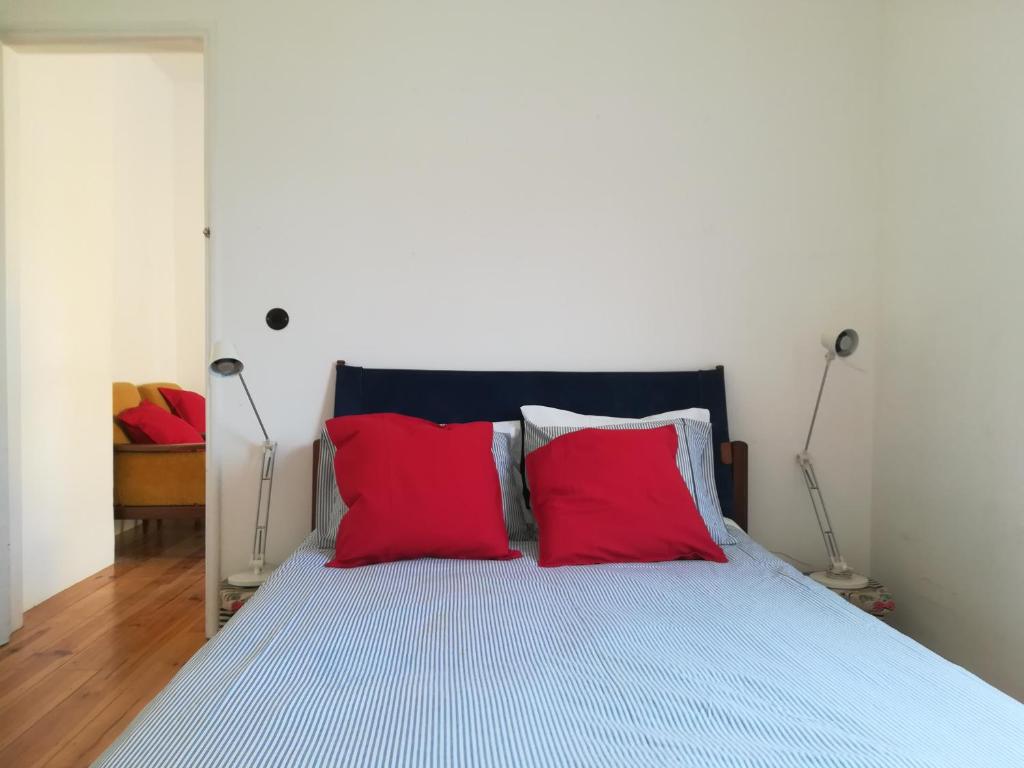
<point x="839" y="574"/>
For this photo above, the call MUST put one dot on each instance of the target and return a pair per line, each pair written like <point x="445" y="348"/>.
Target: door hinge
<point x="206" y="232"/>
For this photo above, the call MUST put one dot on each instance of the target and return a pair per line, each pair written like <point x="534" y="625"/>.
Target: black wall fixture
<point x="277" y="318"/>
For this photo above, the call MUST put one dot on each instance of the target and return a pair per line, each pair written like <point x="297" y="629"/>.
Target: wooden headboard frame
<point x="731" y="477"/>
<point x="734" y="453"/>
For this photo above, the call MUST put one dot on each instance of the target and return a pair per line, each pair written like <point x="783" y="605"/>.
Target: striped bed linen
<point x="746" y="664"/>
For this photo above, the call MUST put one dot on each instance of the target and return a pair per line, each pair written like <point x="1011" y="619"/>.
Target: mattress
<point x="474" y="663"/>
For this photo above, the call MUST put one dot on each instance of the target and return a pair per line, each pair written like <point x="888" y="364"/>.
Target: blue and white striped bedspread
<point x="468" y="663"/>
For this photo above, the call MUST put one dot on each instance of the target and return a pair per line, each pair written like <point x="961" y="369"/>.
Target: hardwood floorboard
<point x="89" y="659"/>
<point x="44" y="628"/>
<point x="91" y="718"/>
<point x="68" y="597"/>
<point x="30" y="709"/>
<point x="129" y="699"/>
<point x="22" y="673"/>
<point x="93" y="647"/>
<point x="134" y="547"/>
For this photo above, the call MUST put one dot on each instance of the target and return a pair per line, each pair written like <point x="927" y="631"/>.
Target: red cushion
<point x="190" y="406"/>
<point x="615" y="496"/>
<point x="416" y="489"/>
<point x="148" y="423"/>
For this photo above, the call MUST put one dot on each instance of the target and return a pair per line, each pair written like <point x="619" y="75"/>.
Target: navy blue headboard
<point x="457" y="396"/>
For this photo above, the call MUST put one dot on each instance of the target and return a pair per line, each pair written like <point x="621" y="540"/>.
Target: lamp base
<point x="848" y="580"/>
<point x="250" y="578"/>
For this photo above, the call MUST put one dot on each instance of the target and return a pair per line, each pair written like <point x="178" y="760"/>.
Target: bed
<point x="485" y="663"/>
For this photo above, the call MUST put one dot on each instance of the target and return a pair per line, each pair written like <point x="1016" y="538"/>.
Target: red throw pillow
<point x="190" y="406"/>
<point x="148" y="423"/>
<point x="416" y="489"/>
<point x="615" y="496"/>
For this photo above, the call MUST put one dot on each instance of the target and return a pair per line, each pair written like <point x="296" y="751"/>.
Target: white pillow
<point x="518" y="521"/>
<point x="514" y="430"/>
<point x="543" y="416"/>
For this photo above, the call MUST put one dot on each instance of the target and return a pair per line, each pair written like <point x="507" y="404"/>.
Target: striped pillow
<point x="506" y="449"/>
<point x="694" y="458"/>
<point x="508" y="457"/>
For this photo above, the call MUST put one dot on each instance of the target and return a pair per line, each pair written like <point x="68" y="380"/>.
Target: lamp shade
<point x="224" y="359"/>
<point x="841" y="343"/>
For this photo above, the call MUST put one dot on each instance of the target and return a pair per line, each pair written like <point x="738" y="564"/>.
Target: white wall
<point x="948" y="522"/>
<point x="10" y="526"/>
<point x="184" y="73"/>
<point x="60" y="272"/>
<point x="10" y="608"/>
<point x="649" y="186"/>
<point x="576" y="186"/>
<point x="158" y="248"/>
<point x="91" y="245"/>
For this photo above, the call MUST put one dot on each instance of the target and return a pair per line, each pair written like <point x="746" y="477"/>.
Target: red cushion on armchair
<point x="148" y="423"/>
<point x="190" y="406"/>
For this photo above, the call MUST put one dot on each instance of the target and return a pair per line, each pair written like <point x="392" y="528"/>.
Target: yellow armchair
<point x="155" y="481"/>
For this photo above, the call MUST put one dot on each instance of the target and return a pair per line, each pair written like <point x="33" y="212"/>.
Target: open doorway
<point x="105" y="311"/>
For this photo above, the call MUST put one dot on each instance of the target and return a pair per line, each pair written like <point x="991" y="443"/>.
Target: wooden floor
<point x="88" y="659"/>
